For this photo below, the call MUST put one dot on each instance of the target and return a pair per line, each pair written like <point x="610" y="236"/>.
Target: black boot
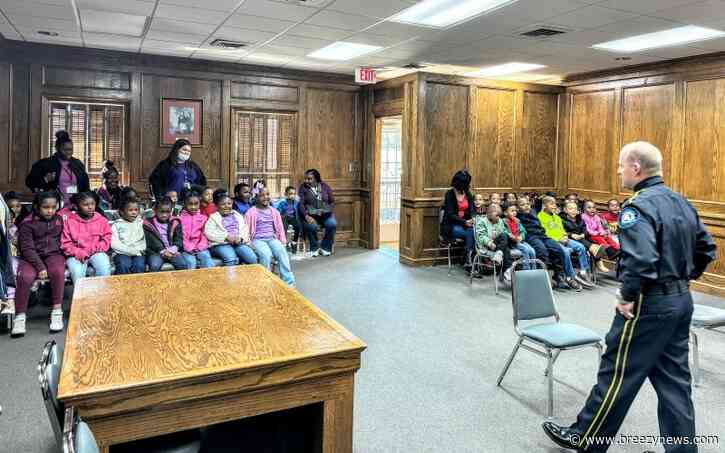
<point x="563" y="437"/>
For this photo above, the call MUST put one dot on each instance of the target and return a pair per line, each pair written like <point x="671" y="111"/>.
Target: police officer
<point x="664" y="245"/>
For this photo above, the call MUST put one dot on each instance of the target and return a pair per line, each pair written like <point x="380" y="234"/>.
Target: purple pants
<point x="27" y="275"/>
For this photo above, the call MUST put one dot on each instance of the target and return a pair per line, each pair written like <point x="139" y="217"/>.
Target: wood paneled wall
<point x="328" y="108"/>
<point x="505" y="134"/>
<point x="678" y="106"/>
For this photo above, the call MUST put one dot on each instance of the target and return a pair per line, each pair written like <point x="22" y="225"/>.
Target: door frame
<point x="375" y="178"/>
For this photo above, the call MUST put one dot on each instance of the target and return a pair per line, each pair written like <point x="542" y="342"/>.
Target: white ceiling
<point x="282" y="33"/>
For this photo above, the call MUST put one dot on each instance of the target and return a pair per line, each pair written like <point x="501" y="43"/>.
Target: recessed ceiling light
<point x="47" y="33"/>
<point x="112" y="23"/>
<point x="443" y="13"/>
<point x="504" y="69"/>
<point x="664" y="38"/>
<point x="343" y="51"/>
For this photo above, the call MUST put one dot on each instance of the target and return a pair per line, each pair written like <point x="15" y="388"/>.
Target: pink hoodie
<point x="83" y="238"/>
<point x="192" y="225"/>
<point x="251" y="218"/>
<point x="594" y="225"/>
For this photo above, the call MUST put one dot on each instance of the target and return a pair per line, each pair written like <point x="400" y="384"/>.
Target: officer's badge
<point x="629" y="217"/>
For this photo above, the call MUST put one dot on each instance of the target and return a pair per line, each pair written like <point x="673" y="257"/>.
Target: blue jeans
<point x="571" y="247"/>
<point x="155" y="262"/>
<point x="129" y="264"/>
<point x="100" y="262"/>
<point x="266" y="249"/>
<point x="527" y="252"/>
<point x="330" y="225"/>
<point x="458" y="232"/>
<point x="231" y="255"/>
<point x="203" y="258"/>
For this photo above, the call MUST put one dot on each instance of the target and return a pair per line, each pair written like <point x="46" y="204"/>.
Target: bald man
<point x="664" y="246"/>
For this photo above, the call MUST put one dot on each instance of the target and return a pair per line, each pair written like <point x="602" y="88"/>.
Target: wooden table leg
<point x="337" y="424"/>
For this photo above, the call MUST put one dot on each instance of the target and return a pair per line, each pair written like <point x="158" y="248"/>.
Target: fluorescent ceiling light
<point x="664" y="38"/>
<point x="504" y="69"/>
<point x="442" y="13"/>
<point x="343" y="51"/>
<point x="112" y="23"/>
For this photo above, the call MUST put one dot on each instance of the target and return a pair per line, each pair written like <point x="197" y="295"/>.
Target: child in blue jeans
<point x="517" y="234"/>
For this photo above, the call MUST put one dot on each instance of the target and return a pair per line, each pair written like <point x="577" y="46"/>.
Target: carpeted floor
<point x="427" y="383"/>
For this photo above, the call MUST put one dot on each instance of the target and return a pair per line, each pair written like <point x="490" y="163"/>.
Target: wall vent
<point x="544" y="31"/>
<point x="227" y="44"/>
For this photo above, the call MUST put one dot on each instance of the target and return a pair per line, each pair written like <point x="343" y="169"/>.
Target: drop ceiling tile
<point x="188" y="14"/>
<point x="584" y="38"/>
<point x="42" y="23"/>
<point x="643" y="6"/>
<point x="400" y="31"/>
<point x="276" y="10"/>
<point x="192" y="28"/>
<point x="313" y="31"/>
<point x="507" y="43"/>
<point x="590" y="17"/>
<point x="216" y="5"/>
<point x="373" y="61"/>
<point x="115" y="23"/>
<point x="62" y="34"/>
<point x="371" y="8"/>
<point x="10" y="33"/>
<point x="301" y="42"/>
<point x="344" y="21"/>
<point x="170" y="46"/>
<point x="276" y="49"/>
<point x="700" y="13"/>
<point x="675" y="52"/>
<point x="110" y="39"/>
<point x="265" y="58"/>
<point x="243" y="35"/>
<point x="50" y="11"/>
<point x="373" y="40"/>
<point x="539" y="10"/>
<point x="216" y="56"/>
<point x="63" y="42"/>
<point x="712" y="45"/>
<point x="166" y="52"/>
<point x="187" y="38"/>
<point x="35" y="3"/>
<point x="140" y="8"/>
<point x="258" y="23"/>
<point x="637" y="26"/>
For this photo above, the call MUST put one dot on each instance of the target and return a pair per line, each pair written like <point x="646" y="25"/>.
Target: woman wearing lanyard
<point x="177" y="172"/>
<point x="317" y="205"/>
<point x="60" y="172"/>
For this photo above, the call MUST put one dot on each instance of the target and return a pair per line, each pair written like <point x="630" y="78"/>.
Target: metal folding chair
<point x="533" y="300"/>
<point x="48" y="376"/>
<point x="444" y="242"/>
<point x="703" y="318"/>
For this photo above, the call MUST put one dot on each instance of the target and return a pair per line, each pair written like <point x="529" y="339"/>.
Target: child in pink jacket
<point x="266" y="230"/>
<point x="196" y="246"/>
<point x="86" y="238"/>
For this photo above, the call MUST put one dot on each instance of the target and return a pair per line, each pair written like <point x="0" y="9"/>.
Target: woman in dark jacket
<point x="177" y="172"/>
<point x="458" y="211"/>
<point x="60" y="172"/>
<point x="317" y="206"/>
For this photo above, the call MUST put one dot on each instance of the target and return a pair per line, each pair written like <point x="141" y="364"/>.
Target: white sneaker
<point x="314" y="254"/>
<point x="324" y="252"/>
<point x="8" y="307"/>
<point x="507" y="276"/>
<point x="56" y="320"/>
<point x="18" y="326"/>
<point x="498" y="257"/>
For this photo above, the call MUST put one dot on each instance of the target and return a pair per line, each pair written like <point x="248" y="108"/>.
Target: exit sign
<point x="365" y="75"/>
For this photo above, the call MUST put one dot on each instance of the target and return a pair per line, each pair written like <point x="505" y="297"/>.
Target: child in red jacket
<point x="86" y="238"/>
<point x="40" y="257"/>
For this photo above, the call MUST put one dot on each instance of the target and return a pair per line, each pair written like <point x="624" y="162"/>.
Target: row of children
<point x="79" y="237"/>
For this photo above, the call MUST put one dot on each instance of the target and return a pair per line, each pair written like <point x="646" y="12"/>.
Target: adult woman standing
<point x="60" y="172"/>
<point x="177" y="172"/>
<point x="317" y="205"/>
<point x="458" y="211"/>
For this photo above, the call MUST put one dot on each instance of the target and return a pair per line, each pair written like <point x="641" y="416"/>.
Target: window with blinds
<point x="97" y="131"/>
<point x="264" y="145"/>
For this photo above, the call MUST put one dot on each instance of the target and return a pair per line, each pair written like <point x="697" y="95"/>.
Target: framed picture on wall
<point x="181" y="118"/>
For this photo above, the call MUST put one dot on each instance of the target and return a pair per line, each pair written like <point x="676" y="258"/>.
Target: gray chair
<point x="77" y="435"/>
<point x="48" y="376"/>
<point x="703" y="318"/>
<point x="446" y="243"/>
<point x="533" y="300"/>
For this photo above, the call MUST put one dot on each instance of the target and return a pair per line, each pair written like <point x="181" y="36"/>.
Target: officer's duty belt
<point x="667" y="288"/>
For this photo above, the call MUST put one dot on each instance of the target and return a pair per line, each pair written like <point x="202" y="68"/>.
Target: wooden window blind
<point x="265" y="144"/>
<point x="97" y="131"/>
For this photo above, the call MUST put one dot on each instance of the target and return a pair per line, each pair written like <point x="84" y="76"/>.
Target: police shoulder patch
<point x="628" y="217"/>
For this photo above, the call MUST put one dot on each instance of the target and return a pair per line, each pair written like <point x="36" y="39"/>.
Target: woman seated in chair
<point x="458" y="214"/>
<point x="492" y="239"/>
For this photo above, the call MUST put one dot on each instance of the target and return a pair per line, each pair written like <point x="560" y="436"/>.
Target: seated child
<point x="228" y="233"/>
<point x="492" y="239"/>
<point x="40" y="257"/>
<point x="268" y="236"/>
<point x="576" y="230"/>
<point x="109" y="193"/>
<point x="17" y="215"/>
<point x="207" y="202"/>
<point x="196" y="245"/>
<point x="128" y="239"/>
<point x="479" y="205"/>
<point x="547" y="249"/>
<point x="288" y="208"/>
<point x="242" y="198"/>
<point x="86" y="238"/>
<point x="612" y="217"/>
<point x="554" y="228"/>
<point x="174" y="197"/>
<point x="164" y="238"/>
<point x="494" y="198"/>
<point x="517" y="234"/>
<point x="597" y="232"/>
<point x="509" y="198"/>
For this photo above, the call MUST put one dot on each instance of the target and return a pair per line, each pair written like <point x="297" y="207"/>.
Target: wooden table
<point x="156" y="353"/>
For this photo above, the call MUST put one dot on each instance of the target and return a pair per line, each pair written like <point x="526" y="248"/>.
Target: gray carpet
<point x="427" y="383"/>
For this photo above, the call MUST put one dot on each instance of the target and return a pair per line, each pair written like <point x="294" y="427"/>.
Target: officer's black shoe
<point x="563" y="437"/>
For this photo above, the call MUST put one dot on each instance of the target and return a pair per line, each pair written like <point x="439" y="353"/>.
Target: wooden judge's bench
<point x="151" y="354"/>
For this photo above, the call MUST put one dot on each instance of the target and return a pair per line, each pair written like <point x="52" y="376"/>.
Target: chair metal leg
<point x="495" y="278"/>
<point x="509" y="360"/>
<point x="550" y="373"/>
<point x="696" y="371"/>
<point x="553" y="361"/>
<point x="448" y="249"/>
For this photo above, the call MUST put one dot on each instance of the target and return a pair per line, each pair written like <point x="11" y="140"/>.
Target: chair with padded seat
<point x="49" y="368"/>
<point x="703" y="318"/>
<point x="543" y="333"/>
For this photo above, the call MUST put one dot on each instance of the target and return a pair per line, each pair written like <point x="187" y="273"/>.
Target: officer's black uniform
<point x="663" y="246"/>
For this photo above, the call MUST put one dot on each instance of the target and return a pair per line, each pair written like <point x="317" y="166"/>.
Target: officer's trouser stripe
<point x="614" y="386"/>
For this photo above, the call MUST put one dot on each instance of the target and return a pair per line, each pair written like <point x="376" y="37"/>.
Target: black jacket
<point x="662" y="239"/>
<point x="160" y="176"/>
<point x="153" y="239"/>
<point x="532" y="225"/>
<point x="575" y="226"/>
<point x="36" y="179"/>
<point x="450" y="212"/>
